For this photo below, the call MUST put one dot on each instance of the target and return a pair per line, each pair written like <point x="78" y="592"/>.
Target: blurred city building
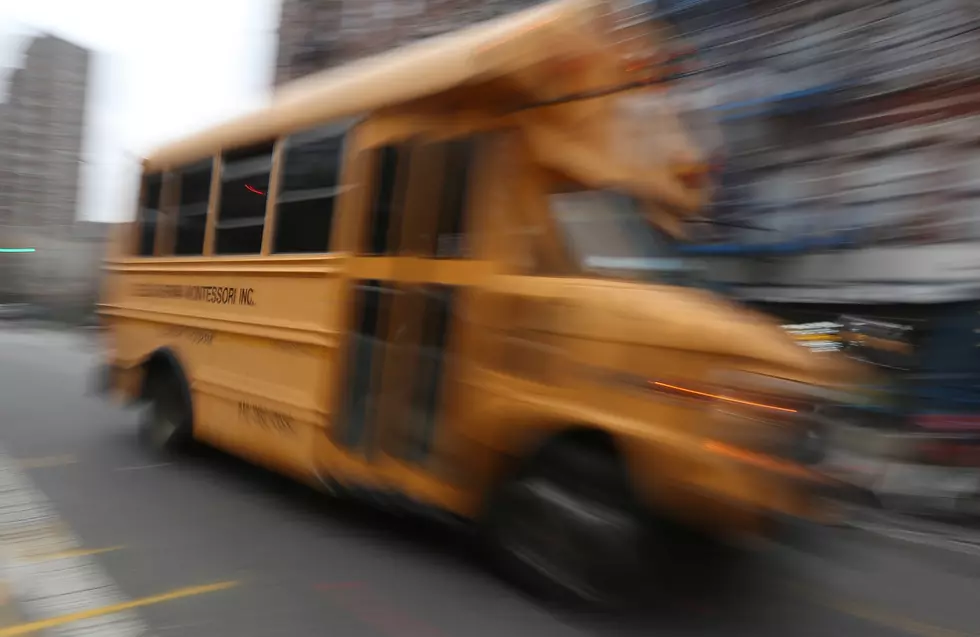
<point x="42" y="121"/>
<point x="852" y="130"/>
<point x="852" y="181"/>
<point x="316" y="34"/>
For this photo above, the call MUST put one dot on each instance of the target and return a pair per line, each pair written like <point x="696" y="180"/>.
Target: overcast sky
<point x="161" y="70"/>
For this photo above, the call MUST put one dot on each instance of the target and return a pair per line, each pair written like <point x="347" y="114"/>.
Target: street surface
<point x="98" y="538"/>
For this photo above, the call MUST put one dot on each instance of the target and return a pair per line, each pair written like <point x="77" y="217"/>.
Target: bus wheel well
<point x="579" y="448"/>
<point x="581" y="438"/>
<point x="167" y="424"/>
<point x="565" y="524"/>
<point x="163" y="364"/>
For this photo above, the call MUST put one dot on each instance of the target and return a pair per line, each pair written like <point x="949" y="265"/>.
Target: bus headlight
<point x="771" y="416"/>
<point x="761" y="414"/>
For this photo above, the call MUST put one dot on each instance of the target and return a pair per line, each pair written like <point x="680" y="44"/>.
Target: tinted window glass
<point x="192" y="209"/>
<point x="308" y="190"/>
<point x="244" y="189"/>
<point x="607" y="233"/>
<point x="386" y="208"/>
<point x="450" y="239"/>
<point x="149" y="212"/>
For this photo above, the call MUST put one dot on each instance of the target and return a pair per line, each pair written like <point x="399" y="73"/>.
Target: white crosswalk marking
<point x="29" y="526"/>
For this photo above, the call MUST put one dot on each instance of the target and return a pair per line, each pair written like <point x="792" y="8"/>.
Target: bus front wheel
<point x="166" y="423"/>
<point x="566" y="529"/>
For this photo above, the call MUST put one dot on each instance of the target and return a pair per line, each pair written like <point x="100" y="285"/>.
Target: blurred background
<point x="86" y="89"/>
<point x="849" y="130"/>
<point x="847" y="205"/>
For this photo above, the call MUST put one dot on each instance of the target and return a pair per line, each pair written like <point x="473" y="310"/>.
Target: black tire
<point x="166" y="426"/>
<point x="567" y="530"/>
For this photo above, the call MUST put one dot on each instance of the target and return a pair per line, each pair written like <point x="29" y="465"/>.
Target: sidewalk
<point x="9" y="613"/>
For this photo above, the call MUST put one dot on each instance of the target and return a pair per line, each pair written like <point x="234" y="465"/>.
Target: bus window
<point x="389" y="186"/>
<point x="192" y="210"/>
<point x="244" y="186"/>
<point x="362" y="397"/>
<point x="425" y="404"/>
<point x="607" y="234"/>
<point x="435" y="199"/>
<point x="450" y="238"/>
<point x="308" y="190"/>
<point x="421" y="209"/>
<point x="149" y="213"/>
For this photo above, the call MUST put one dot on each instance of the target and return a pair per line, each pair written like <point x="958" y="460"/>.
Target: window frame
<point x="351" y="170"/>
<point x="344" y="129"/>
<point x="419" y="203"/>
<point x="164" y="239"/>
<point x="474" y="147"/>
<point x="178" y="178"/>
<point x="135" y="249"/>
<point x="368" y="208"/>
<point x="216" y="204"/>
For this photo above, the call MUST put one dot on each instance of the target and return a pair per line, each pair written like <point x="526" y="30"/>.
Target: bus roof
<point x="479" y="53"/>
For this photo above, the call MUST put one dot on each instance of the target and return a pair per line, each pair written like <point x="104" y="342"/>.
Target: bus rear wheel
<point x="566" y="529"/>
<point x="166" y="424"/>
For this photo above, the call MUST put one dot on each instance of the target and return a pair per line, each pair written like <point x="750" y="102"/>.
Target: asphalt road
<point x="98" y="538"/>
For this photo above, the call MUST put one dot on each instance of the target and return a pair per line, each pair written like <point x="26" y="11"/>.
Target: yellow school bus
<point x="445" y="276"/>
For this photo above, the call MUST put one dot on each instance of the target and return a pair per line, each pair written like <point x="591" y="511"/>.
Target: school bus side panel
<point x="254" y="340"/>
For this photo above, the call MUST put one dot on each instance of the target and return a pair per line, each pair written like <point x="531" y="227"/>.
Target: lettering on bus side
<point x="212" y="294"/>
<point x="267" y="419"/>
<point x="194" y="335"/>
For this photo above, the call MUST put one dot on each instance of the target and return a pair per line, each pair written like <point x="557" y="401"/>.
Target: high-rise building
<point x="42" y="123"/>
<point x="41" y="127"/>
<point x="316" y="34"/>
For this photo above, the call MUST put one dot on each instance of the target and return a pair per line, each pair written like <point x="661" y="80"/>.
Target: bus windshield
<point x="608" y="235"/>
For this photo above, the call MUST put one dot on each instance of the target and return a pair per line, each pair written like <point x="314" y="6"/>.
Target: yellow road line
<point x="61" y="555"/>
<point x="45" y="624"/>
<point x="47" y="461"/>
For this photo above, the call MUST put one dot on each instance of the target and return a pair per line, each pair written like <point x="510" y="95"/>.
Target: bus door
<point x="414" y="380"/>
<point x="372" y="290"/>
<point x="367" y="350"/>
<point x="421" y="376"/>
<point x="400" y="370"/>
